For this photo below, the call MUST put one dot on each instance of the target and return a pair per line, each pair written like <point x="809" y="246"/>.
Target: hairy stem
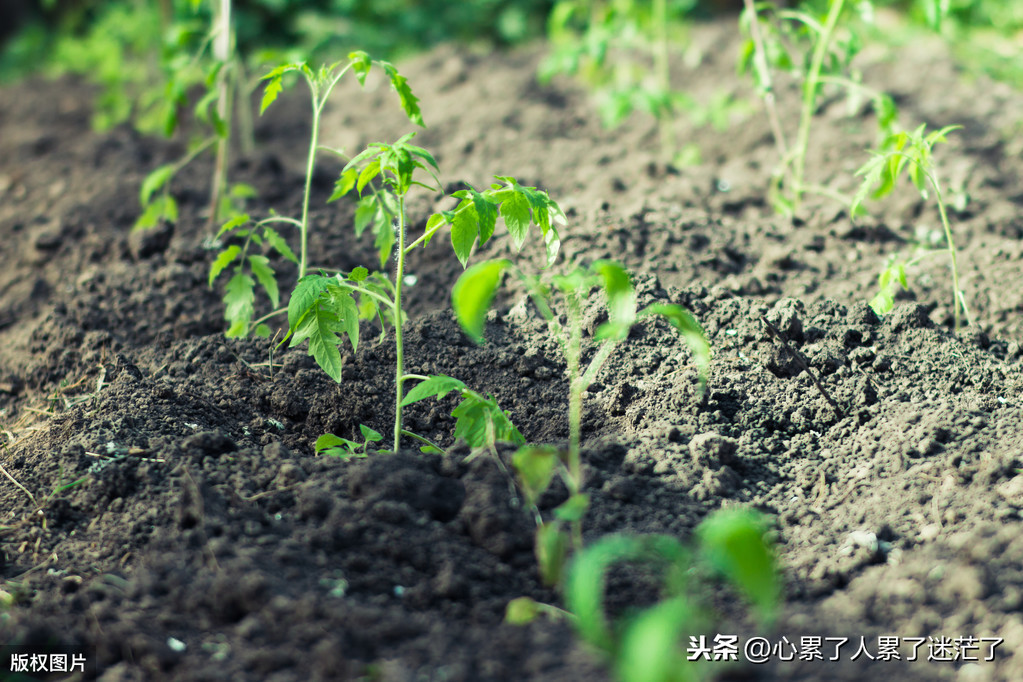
<point x="820" y="50"/>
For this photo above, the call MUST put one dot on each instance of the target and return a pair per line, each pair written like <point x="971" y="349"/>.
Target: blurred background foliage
<point x="131" y="47"/>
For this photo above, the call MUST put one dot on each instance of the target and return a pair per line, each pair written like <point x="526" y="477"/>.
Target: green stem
<point x="422" y="439"/>
<point x="399" y="274"/>
<point x="957" y="296"/>
<point x="662" y="65"/>
<point x="820" y="50"/>
<point x="310" y="164"/>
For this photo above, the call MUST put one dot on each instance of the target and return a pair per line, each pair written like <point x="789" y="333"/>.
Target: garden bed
<point x="167" y="491"/>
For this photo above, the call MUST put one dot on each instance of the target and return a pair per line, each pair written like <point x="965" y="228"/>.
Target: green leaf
<point x="551" y="551"/>
<point x="573" y="509"/>
<point x="486" y="215"/>
<point x="361" y="64"/>
<point x="409" y="102"/>
<point x="329" y="441"/>
<point x="346" y="311"/>
<point x="481" y="423"/>
<point x="235" y="221"/>
<point x="344" y="184"/>
<point x="517" y="216"/>
<point x="305" y="296"/>
<point x="649" y="650"/>
<point x="371" y="170"/>
<point x="225" y="258"/>
<point x="436" y="386"/>
<point x="521" y="611"/>
<point x="464" y="230"/>
<point x="370" y="435"/>
<point x="271" y="92"/>
<point x="154" y="181"/>
<point x="732" y="541"/>
<point x="321" y="327"/>
<point x="279" y="245"/>
<point x="266" y="277"/>
<point x="474" y="292"/>
<point x="238" y="299"/>
<point x="683" y="321"/>
<point x="621" y="298"/>
<point x="535" y="465"/>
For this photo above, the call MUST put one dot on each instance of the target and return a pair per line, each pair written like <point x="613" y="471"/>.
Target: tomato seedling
<point x="818" y="53"/>
<point x="471" y="298"/>
<point x="912" y="152"/>
<point x="324" y="309"/>
<point x="240" y="294"/>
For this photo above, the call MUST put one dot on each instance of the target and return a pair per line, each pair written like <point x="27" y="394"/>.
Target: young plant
<point x="621" y="49"/>
<point x="646" y="646"/>
<point x="812" y="48"/>
<point x="912" y="152"/>
<point x="217" y="67"/>
<point x="240" y="295"/>
<point x="335" y="446"/>
<point x="324" y="310"/>
<point x="471" y="298"/>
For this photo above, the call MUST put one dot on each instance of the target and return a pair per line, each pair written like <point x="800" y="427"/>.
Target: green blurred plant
<point x="817" y="48"/>
<point x="645" y="645"/>
<point x="622" y="50"/>
<point x="472" y="296"/>
<point x="912" y="152"/>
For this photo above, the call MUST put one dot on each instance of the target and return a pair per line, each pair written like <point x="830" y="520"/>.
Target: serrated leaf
<point x="347" y="312"/>
<point x="621" y="298"/>
<point x="154" y="181"/>
<point x="305" y="296"/>
<point x="486" y="216"/>
<point x="517" y="216"/>
<point x="365" y="214"/>
<point x="321" y="328"/>
<point x="279" y="245"/>
<point x="409" y="102"/>
<point x="224" y="258"/>
<point x="266" y="276"/>
<point x="474" y="292"/>
<point x="433" y="224"/>
<point x="231" y="224"/>
<point x="361" y="64"/>
<point x="464" y="230"/>
<point x="238" y="298"/>
<point x="344" y="184"/>
<point x="367" y="174"/>
<point x="436" y="386"/>
<point x="271" y="92"/>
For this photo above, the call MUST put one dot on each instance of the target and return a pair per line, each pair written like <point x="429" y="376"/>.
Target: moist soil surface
<point x="162" y="505"/>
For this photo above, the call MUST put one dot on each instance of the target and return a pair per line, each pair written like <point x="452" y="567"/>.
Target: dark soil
<point x="200" y="514"/>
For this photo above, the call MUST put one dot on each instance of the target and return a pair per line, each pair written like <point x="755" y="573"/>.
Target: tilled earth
<point x="159" y="486"/>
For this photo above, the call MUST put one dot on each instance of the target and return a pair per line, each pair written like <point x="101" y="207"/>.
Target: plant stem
<point x="222" y="53"/>
<point x="422" y="439"/>
<point x="760" y="58"/>
<point x="303" y="258"/>
<point x="662" y="66"/>
<point x="957" y="296"/>
<point x="399" y="274"/>
<point x="810" y="98"/>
